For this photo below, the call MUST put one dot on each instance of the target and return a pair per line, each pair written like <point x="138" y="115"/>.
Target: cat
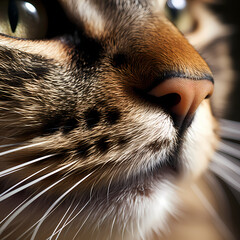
<point x="105" y="118"/>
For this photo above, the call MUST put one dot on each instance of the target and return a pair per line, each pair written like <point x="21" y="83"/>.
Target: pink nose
<point x="182" y="96"/>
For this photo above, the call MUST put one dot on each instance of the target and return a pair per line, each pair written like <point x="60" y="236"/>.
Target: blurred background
<point x="228" y="12"/>
<point x="213" y="28"/>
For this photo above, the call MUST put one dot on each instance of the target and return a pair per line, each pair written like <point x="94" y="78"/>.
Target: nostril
<point x="169" y="100"/>
<point x="208" y="96"/>
<point x="180" y="97"/>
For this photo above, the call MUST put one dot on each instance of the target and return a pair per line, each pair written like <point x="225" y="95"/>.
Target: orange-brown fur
<point x="148" y="46"/>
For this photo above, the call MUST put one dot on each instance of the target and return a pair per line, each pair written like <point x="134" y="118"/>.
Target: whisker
<point x="22" y="181"/>
<point x="229" y="123"/>
<point x="220" y="225"/>
<point x="220" y="194"/>
<point x="232" y="149"/>
<point x="19" y="225"/>
<point x="222" y="173"/>
<point x="229" y="129"/>
<point x="82" y="224"/>
<point x="124" y="224"/>
<point x="31" y="228"/>
<point x="55" y="203"/>
<point x="14" y="210"/>
<point x="9" y="234"/>
<point x="20" y="148"/>
<point x="10" y="145"/>
<point x="8" y="173"/>
<point x="108" y="189"/>
<point x="25" y="205"/>
<point x="61" y="220"/>
<point x="227" y="168"/>
<point x="35" y="181"/>
<point x="12" y="169"/>
<point x="67" y="223"/>
<point x="228" y="162"/>
<point x="112" y="226"/>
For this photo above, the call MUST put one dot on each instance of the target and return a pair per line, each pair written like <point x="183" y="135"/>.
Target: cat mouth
<point x="169" y="168"/>
<point x="144" y="181"/>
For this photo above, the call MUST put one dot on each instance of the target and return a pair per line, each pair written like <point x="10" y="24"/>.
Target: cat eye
<point x="178" y="13"/>
<point x="23" y="18"/>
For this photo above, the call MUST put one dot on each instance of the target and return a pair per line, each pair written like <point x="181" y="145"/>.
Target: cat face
<point x="111" y="115"/>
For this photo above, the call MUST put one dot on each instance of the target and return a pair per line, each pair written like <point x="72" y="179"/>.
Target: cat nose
<point x="182" y="96"/>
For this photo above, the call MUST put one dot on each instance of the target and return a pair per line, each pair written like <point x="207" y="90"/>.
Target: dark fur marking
<point x="87" y="51"/>
<point x="14" y="81"/>
<point x="39" y="71"/>
<point x="60" y="122"/>
<point x="70" y="124"/>
<point x="24" y="66"/>
<point x="122" y="140"/>
<point x="119" y="60"/>
<point x="103" y="144"/>
<point x="6" y="55"/>
<point x="83" y="149"/>
<point x="92" y="117"/>
<point x="112" y="116"/>
<point x="156" y="145"/>
<point x="53" y="124"/>
<point x="5" y="96"/>
<point x="18" y="76"/>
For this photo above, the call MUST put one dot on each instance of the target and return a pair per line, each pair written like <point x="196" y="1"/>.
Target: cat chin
<point x="131" y="216"/>
<point x="127" y="217"/>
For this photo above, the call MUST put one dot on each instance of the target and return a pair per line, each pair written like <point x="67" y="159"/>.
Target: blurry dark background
<point x="229" y="12"/>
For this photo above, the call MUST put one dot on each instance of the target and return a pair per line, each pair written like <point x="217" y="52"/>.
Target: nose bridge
<point x="171" y="52"/>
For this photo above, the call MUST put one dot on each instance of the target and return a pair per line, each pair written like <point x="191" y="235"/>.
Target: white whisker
<point x="220" y="225"/>
<point x="25" y="205"/>
<point x="230" y="129"/>
<point x="67" y="223"/>
<point x="9" y="234"/>
<point x="220" y="194"/>
<point x="8" y="173"/>
<point x="219" y="191"/>
<point x="82" y="224"/>
<point x="13" y="169"/>
<point x="22" y="181"/>
<point x="14" y="210"/>
<point x="226" y="176"/>
<point x="34" y="181"/>
<point x="32" y="227"/>
<point x="228" y="162"/>
<point x="112" y="226"/>
<point x="20" y="148"/>
<point x="19" y="225"/>
<point x="55" y="203"/>
<point x="124" y="224"/>
<point x="227" y="168"/>
<point x="229" y="123"/>
<point x="61" y="220"/>
<point x="232" y="149"/>
<point x="108" y="189"/>
<point x="9" y="145"/>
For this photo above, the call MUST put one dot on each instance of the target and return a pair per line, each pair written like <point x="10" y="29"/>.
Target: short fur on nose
<point x="182" y="96"/>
